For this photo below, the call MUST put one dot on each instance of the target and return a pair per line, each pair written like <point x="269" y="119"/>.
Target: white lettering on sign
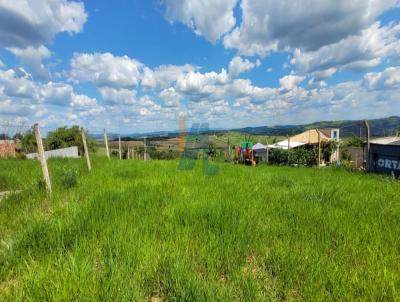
<point x="388" y="164"/>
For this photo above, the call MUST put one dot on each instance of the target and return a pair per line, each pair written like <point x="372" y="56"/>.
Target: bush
<point x="345" y="156"/>
<point x="69" y="178"/>
<point x="298" y="156"/>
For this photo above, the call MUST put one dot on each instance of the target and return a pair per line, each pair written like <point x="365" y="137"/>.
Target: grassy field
<point x="144" y="231"/>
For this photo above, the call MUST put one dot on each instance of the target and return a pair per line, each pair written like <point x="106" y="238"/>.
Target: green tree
<point x="28" y="142"/>
<point x="65" y="137"/>
<point x="355" y="141"/>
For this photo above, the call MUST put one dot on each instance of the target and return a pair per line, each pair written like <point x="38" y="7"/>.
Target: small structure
<point x="71" y="152"/>
<point x="384" y="155"/>
<point x="309" y="138"/>
<point x="8" y="148"/>
<point x="260" y="152"/>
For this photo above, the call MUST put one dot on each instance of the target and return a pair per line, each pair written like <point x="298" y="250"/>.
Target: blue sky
<point x="135" y="66"/>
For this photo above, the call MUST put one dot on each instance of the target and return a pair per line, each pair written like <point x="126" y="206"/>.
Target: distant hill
<point x="379" y="127"/>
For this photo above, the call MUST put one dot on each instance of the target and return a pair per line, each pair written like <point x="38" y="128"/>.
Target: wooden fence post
<point x="106" y="143"/>
<point x="42" y="157"/>
<point x="86" y="149"/>
<point x="368" y="144"/>
<point x="319" y="149"/>
<point x="145" y="153"/>
<point x="288" y="150"/>
<point x="119" y="147"/>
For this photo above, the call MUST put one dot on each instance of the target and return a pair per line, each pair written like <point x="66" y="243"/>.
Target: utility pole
<point x="85" y="148"/>
<point x="106" y="143"/>
<point x="267" y="151"/>
<point x="119" y="147"/>
<point x="42" y="157"/>
<point x="368" y="144"/>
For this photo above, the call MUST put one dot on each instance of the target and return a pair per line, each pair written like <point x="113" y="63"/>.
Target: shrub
<point x="345" y="156"/>
<point x="69" y="178"/>
<point x="298" y="156"/>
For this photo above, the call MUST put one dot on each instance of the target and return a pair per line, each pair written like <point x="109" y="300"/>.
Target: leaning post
<point x="288" y="150"/>
<point x="319" y="148"/>
<point x="85" y="148"/>
<point x="106" y="143"/>
<point x="119" y="147"/>
<point x="368" y="143"/>
<point x="42" y="157"/>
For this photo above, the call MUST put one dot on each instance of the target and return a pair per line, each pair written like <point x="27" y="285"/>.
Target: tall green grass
<point x="134" y="230"/>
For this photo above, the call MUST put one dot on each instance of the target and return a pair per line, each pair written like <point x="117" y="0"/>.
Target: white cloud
<point x="105" y="69"/>
<point x="268" y="25"/>
<point x="118" y="96"/>
<point x="81" y="100"/>
<point x="20" y="95"/>
<point x="197" y="86"/>
<point x="238" y="65"/>
<point x="290" y="82"/>
<point x="17" y="83"/>
<point x="387" y="79"/>
<point x="208" y="18"/>
<point x="164" y="75"/>
<point x="56" y="93"/>
<point x="31" y="58"/>
<point x="33" y="23"/>
<point x="170" y="97"/>
<point x="368" y="49"/>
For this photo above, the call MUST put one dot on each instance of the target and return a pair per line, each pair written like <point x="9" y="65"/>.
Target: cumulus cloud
<point x="119" y="96"/>
<point x="368" y="49"/>
<point x="268" y="25"/>
<point x="164" y="75"/>
<point x="290" y="82"/>
<point x="25" y="97"/>
<point x="197" y="86"/>
<point x="170" y="97"/>
<point x="82" y="100"/>
<point x="208" y="18"/>
<point x="31" y="58"/>
<point x="34" y="23"/>
<point x="239" y="65"/>
<point x="105" y="69"/>
<point x="17" y="83"/>
<point x="56" y="93"/>
<point x="387" y="79"/>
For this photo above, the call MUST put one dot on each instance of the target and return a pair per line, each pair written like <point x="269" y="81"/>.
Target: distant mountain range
<point x="379" y="127"/>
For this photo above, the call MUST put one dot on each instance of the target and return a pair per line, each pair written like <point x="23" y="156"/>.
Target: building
<point x="8" y="148"/>
<point x="384" y="155"/>
<point x="310" y="137"/>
